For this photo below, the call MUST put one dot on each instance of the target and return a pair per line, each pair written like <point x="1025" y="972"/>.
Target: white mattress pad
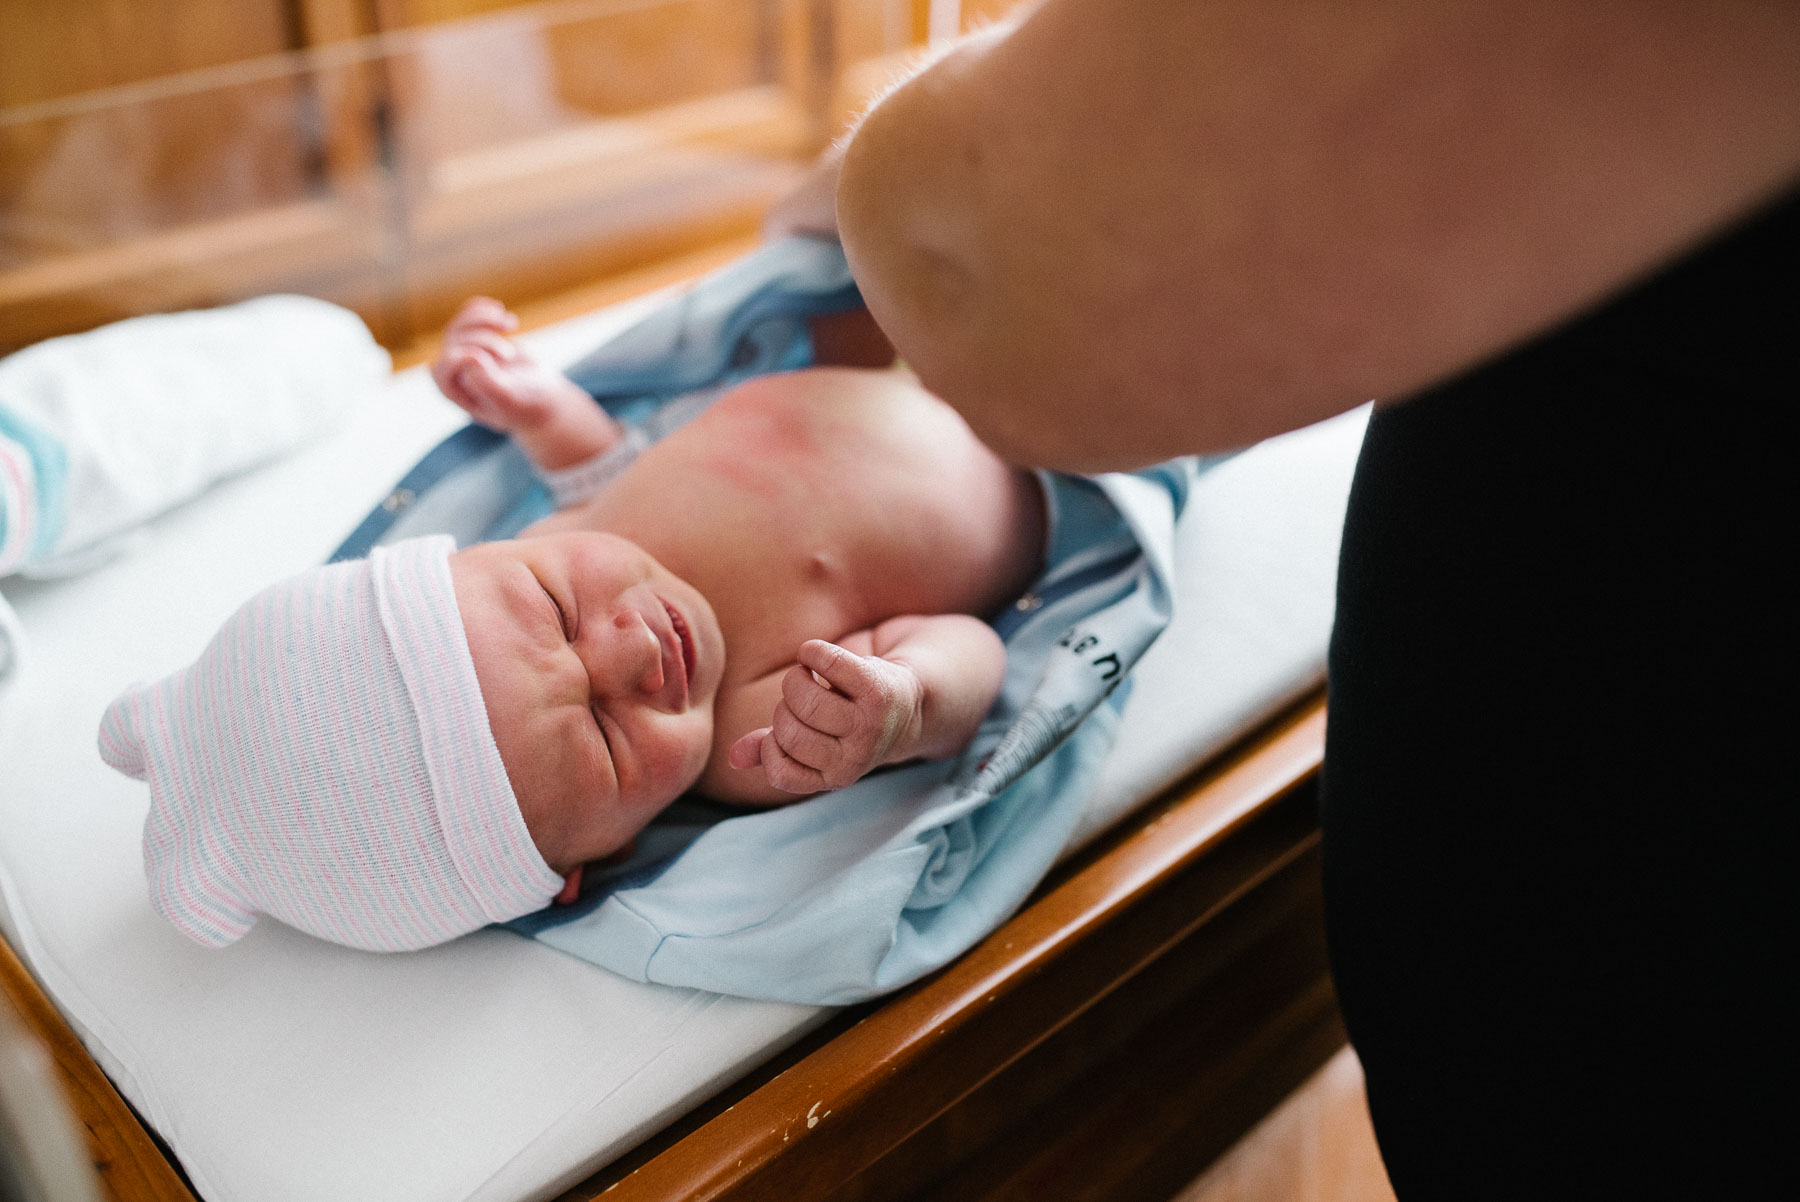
<point x="492" y="1067"/>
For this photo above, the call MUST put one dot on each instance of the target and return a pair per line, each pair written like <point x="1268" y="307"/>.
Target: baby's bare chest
<point x="808" y="512"/>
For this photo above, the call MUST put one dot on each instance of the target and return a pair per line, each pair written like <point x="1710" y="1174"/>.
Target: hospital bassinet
<point x="1162" y="990"/>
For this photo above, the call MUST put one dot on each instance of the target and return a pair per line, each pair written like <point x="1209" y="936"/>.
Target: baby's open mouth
<point x="684" y="639"/>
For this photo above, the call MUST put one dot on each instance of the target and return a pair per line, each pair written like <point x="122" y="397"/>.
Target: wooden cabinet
<point x="397" y="155"/>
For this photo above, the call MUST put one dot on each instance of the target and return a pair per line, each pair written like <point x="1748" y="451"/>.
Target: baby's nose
<point x="633" y="658"/>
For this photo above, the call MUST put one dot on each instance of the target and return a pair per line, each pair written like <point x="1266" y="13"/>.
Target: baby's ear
<point x="571" y="889"/>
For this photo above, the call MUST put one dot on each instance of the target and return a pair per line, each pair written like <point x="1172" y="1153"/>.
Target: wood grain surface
<point x="132" y="1166"/>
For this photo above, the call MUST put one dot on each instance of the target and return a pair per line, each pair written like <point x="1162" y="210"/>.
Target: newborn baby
<point x="777" y="598"/>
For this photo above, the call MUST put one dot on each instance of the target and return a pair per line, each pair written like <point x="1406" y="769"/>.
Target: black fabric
<point x="1558" y="794"/>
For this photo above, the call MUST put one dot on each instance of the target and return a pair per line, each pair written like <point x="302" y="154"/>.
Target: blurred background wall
<point x="396" y="156"/>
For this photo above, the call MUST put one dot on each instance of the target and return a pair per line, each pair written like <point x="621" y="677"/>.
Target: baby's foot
<point x="505" y="389"/>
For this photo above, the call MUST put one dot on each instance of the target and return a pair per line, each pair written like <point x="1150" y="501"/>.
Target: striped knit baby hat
<point x="327" y="761"/>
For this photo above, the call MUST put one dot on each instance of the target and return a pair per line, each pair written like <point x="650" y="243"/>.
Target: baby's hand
<point x="827" y="735"/>
<point x="503" y="388"/>
<point x="484" y="371"/>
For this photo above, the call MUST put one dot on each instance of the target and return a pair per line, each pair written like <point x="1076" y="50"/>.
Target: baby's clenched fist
<point x="840" y="715"/>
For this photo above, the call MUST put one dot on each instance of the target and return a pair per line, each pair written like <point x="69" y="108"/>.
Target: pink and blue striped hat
<point x="327" y="761"/>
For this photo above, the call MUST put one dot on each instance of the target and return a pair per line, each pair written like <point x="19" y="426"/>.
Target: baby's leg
<point x="484" y="371"/>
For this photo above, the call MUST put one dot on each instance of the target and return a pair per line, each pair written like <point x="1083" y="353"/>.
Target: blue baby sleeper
<point x="853" y="893"/>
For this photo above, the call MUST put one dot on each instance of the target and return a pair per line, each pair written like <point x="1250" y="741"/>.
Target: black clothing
<point x="1557" y="796"/>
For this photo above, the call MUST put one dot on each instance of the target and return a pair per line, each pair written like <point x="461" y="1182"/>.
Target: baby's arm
<point x="484" y="371"/>
<point x="919" y="693"/>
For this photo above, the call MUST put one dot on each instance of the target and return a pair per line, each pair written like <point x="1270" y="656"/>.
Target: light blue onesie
<point x="856" y="892"/>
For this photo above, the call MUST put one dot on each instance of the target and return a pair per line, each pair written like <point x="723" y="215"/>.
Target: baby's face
<point x="598" y="667"/>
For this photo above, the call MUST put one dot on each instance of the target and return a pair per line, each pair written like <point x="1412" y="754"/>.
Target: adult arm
<point x="1145" y="227"/>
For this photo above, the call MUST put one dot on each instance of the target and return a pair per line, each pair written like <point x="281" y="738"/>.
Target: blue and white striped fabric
<point x="101" y="431"/>
<point x="33" y="470"/>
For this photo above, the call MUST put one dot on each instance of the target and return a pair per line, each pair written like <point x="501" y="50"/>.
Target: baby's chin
<point x="564" y="850"/>
<point x="561" y="850"/>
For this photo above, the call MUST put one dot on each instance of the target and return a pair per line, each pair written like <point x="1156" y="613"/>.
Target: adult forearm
<point x="1146" y="227"/>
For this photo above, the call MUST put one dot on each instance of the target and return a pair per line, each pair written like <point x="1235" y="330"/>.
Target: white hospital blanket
<point x="492" y="1067"/>
<point x="103" y="430"/>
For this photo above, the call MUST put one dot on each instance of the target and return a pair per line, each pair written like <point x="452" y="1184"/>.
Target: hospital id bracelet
<point x="574" y="484"/>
